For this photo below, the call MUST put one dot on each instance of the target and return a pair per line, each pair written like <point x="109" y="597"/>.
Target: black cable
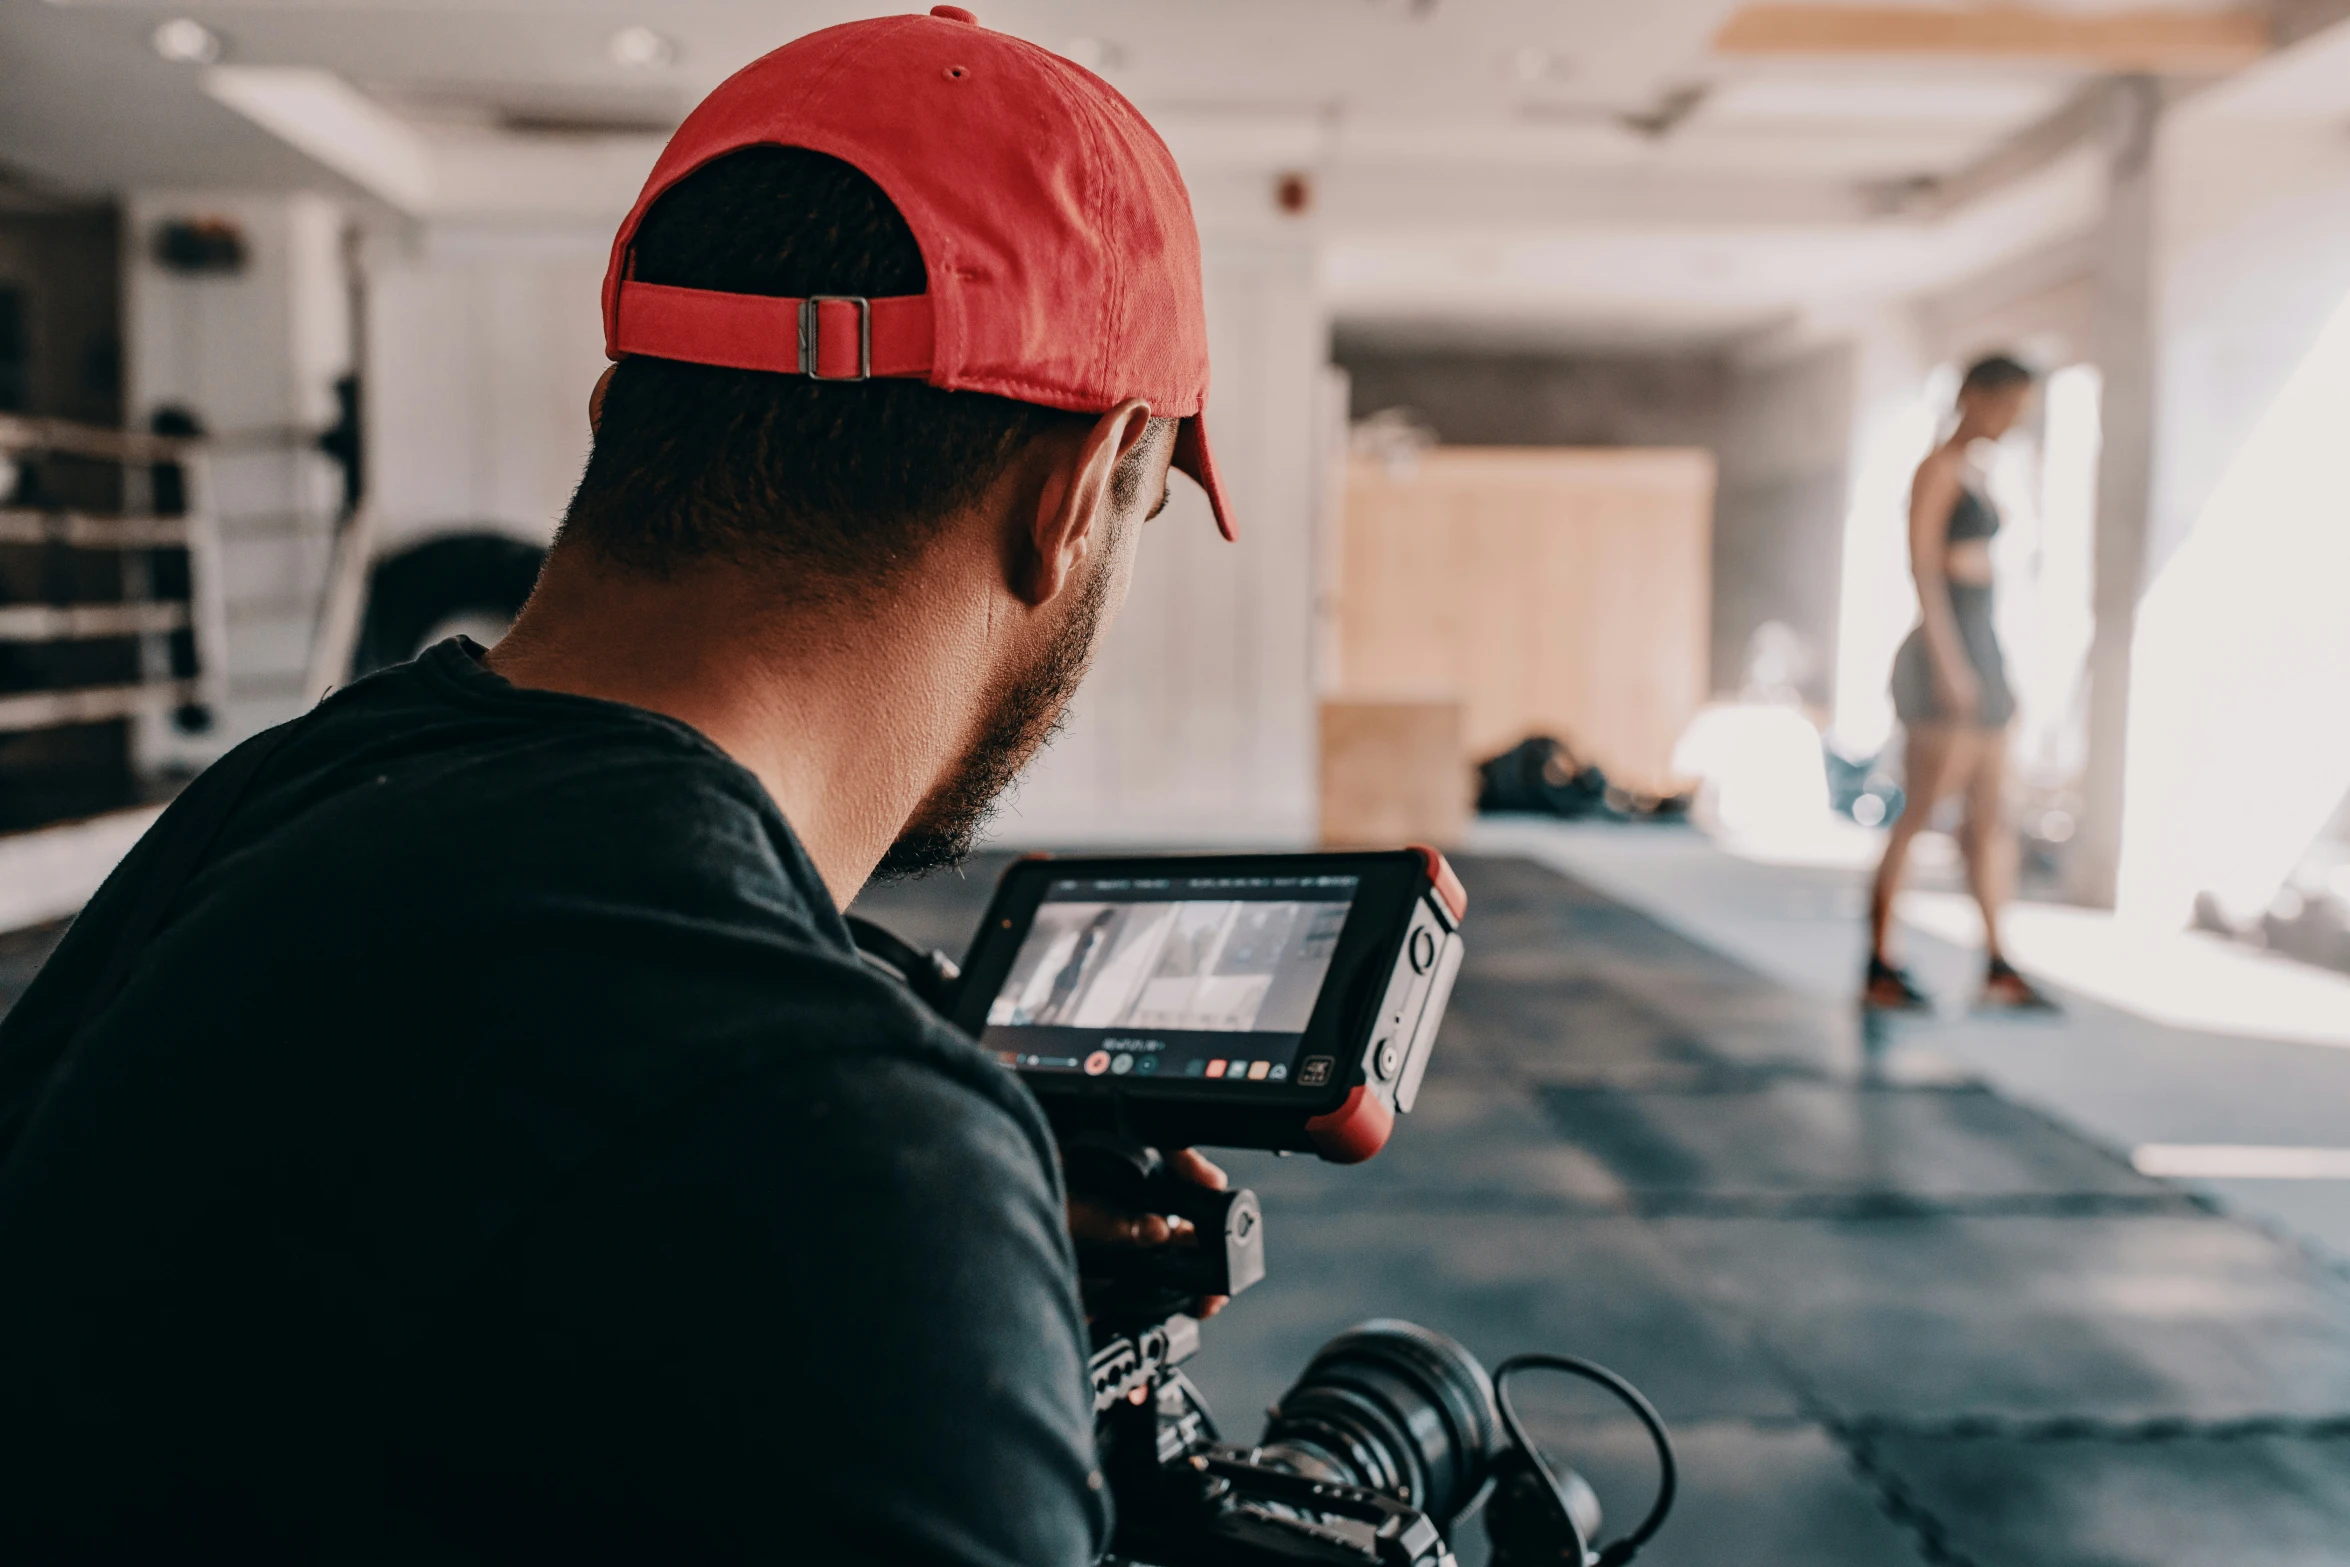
<point x="1668" y="1470"/>
<point x="930" y="975"/>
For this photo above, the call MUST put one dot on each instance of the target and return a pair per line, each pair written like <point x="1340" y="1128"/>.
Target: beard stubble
<point x="1025" y="713"/>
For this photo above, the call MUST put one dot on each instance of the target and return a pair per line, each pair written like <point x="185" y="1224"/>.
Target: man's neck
<point x="848" y="715"/>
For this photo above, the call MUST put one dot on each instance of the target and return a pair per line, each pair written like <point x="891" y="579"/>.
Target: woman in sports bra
<point x="1950" y="688"/>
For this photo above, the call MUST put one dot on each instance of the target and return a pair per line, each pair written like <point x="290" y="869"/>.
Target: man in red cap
<point x="463" y="1130"/>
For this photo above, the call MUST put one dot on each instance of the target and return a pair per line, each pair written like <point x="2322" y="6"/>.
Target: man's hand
<point x="1094" y="1221"/>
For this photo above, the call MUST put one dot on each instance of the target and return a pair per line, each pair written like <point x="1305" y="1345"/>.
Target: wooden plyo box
<point x="1553" y="591"/>
<point x="1393" y="773"/>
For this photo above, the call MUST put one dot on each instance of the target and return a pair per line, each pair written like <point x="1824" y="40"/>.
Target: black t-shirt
<point x="501" y="1154"/>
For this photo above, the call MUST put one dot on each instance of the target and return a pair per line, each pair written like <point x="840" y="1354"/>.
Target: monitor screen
<point x="1201" y="977"/>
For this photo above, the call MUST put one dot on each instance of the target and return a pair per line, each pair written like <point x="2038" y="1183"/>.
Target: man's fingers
<point x="1091" y="1222"/>
<point x="1189" y="1165"/>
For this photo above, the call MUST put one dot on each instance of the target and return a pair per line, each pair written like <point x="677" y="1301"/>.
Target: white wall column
<point x="483" y="342"/>
<point x="2238" y="753"/>
<point x="2125" y="353"/>
<point x="1894" y="422"/>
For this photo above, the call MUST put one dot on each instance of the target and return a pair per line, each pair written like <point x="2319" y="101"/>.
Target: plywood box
<point x="1393" y="774"/>
<point x="1546" y="590"/>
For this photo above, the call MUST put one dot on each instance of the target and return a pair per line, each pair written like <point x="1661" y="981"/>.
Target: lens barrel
<point x="1393" y="1407"/>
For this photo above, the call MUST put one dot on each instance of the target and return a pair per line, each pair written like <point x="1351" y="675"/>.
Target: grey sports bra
<point x="1972" y="518"/>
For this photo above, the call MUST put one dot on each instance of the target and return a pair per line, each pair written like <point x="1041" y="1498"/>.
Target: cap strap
<point x="762" y="331"/>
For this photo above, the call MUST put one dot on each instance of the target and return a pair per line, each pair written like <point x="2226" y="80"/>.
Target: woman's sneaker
<point x="2004" y="990"/>
<point x="1888" y="989"/>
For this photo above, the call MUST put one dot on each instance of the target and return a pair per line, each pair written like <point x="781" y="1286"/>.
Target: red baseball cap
<point x="1062" y="257"/>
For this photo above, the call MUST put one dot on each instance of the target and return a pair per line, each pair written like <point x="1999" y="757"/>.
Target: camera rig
<point x="1390" y="1438"/>
<point x="1393" y="1434"/>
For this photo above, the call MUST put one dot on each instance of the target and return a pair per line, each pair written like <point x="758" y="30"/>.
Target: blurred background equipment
<point x="461" y="584"/>
<point x="1540" y="774"/>
<point x="198" y="245"/>
<point x="1861" y="789"/>
<point x="110" y="611"/>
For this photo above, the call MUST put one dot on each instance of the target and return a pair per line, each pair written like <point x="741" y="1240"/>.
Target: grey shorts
<point x="1914" y="696"/>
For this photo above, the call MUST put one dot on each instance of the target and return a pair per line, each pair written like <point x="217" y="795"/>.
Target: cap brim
<point x="1193" y="457"/>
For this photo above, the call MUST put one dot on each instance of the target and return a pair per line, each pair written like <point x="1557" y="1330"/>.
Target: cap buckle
<point x="808" y="330"/>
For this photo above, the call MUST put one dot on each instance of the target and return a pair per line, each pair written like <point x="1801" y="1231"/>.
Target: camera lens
<point x="1393" y="1407"/>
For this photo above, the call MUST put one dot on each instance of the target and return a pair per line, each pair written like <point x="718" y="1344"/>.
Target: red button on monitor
<point x="1215" y="1069"/>
<point x="1097" y="1063"/>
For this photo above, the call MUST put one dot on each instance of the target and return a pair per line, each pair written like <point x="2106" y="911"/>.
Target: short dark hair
<point x="844" y="481"/>
<point x="1995" y="373"/>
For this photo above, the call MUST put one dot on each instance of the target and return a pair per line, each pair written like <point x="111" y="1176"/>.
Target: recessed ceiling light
<point x="185" y="41"/>
<point x="640" y="49"/>
<point x="1536" y="64"/>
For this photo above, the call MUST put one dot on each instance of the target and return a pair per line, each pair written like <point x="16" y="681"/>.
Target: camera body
<point x="1183" y="1496"/>
<point x="1391" y="1436"/>
<point x="1285" y="1002"/>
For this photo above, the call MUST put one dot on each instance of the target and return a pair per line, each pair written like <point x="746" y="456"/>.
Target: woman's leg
<point x="1988" y="841"/>
<point x="1991" y="849"/>
<point x="1934" y="758"/>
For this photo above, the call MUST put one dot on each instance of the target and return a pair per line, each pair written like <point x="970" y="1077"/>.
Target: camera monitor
<point x="1282" y="1001"/>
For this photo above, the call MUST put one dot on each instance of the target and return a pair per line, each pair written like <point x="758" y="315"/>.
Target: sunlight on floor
<point x="2180" y="979"/>
<point x="2185" y="979"/>
<point x="2241" y="1161"/>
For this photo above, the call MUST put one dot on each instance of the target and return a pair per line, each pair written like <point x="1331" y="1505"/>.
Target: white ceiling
<point x="1542" y="81"/>
<point x="1560" y="160"/>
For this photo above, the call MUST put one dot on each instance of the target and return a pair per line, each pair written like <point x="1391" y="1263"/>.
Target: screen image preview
<point x="1187" y="977"/>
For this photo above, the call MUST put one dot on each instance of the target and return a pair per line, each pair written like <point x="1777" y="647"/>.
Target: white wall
<point x="2256" y="256"/>
<point x="2239" y="750"/>
<point x="482" y="346"/>
<point x="1198" y="725"/>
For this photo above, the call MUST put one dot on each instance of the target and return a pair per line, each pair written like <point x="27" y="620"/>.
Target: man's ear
<point x="596" y="399"/>
<point x="1074" y="501"/>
